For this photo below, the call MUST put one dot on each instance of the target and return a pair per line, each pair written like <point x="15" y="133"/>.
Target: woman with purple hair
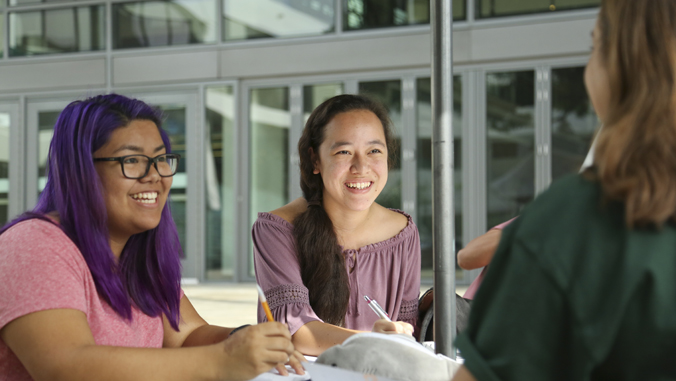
<point x="91" y="277"/>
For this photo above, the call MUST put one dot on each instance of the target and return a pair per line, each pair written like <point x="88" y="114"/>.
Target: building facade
<point x="237" y="79"/>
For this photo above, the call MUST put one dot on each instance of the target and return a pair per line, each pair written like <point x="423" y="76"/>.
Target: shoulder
<point x="394" y="226"/>
<point x="290" y="211"/>
<point x="35" y="242"/>
<point x="570" y="201"/>
<point x="563" y="227"/>
<point x="396" y="219"/>
<point x="32" y="232"/>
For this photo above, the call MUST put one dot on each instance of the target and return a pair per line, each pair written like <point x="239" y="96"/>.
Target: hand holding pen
<point x="377" y="308"/>
<point x="385" y="324"/>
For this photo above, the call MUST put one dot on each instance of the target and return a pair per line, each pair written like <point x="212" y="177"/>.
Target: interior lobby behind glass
<point x="220" y="183"/>
<point x="4" y="165"/>
<point x="77" y="29"/>
<point x="389" y="94"/>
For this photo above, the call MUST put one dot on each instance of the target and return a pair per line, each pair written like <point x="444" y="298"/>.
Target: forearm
<point x="315" y="337"/>
<point x="463" y="375"/>
<point x="207" y="335"/>
<point x="120" y="363"/>
<point x="479" y="252"/>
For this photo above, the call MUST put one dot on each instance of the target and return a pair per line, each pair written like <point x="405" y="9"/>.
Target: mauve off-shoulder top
<point x="387" y="271"/>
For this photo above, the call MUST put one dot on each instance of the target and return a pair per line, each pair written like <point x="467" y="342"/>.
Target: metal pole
<point x="443" y="215"/>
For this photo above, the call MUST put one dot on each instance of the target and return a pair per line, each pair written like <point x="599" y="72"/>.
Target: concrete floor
<point x="233" y="304"/>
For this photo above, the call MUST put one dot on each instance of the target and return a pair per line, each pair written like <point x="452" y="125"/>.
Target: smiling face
<point x="133" y="205"/>
<point x="352" y="160"/>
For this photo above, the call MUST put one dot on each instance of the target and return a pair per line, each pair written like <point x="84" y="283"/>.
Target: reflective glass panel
<point x="220" y="183"/>
<point x="164" y="23"/>
<point x="77" y="29"/>
<point x="424" y="171"/>
<point x="4" y="165"/>
<point x="369" y="14"/>
<point x="389" y="94"/>
<point x="174" y="122"/>
<point x="46" y="121"/>
<point x="2" y="32"/>
<point x="269" y="123"/>
<point x="273" y="18"/>
<point x="22" y="2"/>
<point x="314" y="95"/>
<point x="573" y="121"/>
<point x="500" y="8"/>
<point x="510" y="130"/>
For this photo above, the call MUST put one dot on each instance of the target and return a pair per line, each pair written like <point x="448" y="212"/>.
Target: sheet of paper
<point x="274" y="376"/>
<point x="328" y="373"/>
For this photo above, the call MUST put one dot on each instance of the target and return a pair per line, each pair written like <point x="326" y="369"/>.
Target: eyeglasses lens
<point x="136" y="166"/>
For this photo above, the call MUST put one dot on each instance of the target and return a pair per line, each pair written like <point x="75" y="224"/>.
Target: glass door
<point x="10" y="204"/>
<point x="510" y="144"/>
<point x="40" y="119"/>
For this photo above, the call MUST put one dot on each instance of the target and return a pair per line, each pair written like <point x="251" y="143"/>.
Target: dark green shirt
<point x="572" y="294"/>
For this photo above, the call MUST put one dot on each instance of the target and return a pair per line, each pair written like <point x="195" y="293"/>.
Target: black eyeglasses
<point x="137" y="166"/>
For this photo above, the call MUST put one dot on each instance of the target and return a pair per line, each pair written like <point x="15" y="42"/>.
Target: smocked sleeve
<point x="278" y="273"/>
<point x="408" y="311"/>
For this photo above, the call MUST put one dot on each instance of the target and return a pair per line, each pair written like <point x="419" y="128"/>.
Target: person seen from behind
<point x="587" y="282"/>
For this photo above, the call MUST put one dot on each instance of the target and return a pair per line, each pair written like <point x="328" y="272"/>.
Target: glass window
<point x="269" y="123"/>
<point x="46" y="122"/>
<point x="573" y="121"/>
<point x="2" y="31"/>
<point x="314" y="95"/>
<point x="510" y="134"/>
<point x="174" y="122"/>
<point x="4" y="166"/>
<point x="424" y="171"/>
<point x="389" y="94"/>
<point x="22" y="2"/>
<point x="269" y="18"/>
<point x="163" y="23"/>
<point x="220" y="183"/>
<point x="500" y="8"/>
<point x="78" y="29"/>
<point x="369" y="14"/>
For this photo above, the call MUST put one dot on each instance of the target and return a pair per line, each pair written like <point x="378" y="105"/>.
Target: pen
<point x="377" y="308"/>
<point x="264" y="303"/>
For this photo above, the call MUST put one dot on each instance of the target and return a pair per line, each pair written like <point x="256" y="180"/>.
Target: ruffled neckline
<point x="397" y="238"/>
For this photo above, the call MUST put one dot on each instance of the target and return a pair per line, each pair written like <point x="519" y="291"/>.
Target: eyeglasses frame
<point x="152" y="160"/>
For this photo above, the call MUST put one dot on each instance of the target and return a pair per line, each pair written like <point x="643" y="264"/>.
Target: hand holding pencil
<point x="264" y="303"/>
<point x="295" y="359"/>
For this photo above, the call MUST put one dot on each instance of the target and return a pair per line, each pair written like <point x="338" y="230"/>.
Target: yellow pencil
<point x="264" y="302"/>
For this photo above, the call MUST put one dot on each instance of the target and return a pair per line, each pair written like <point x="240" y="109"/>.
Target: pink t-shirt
<point x="472" y="289"/>
<point x="41" y="269"/>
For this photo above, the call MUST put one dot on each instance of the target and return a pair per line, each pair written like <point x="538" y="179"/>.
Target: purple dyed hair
<point x="149" y="270"/>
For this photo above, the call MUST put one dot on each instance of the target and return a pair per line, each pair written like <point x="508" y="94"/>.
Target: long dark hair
<point x="322" y="265"/>
<point x="149" y="270"/>
<point x="635" y="156"/>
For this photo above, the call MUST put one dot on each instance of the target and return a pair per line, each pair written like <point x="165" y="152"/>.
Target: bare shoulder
<point x="290" y="211"/>
<point x="392" y="221"/>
